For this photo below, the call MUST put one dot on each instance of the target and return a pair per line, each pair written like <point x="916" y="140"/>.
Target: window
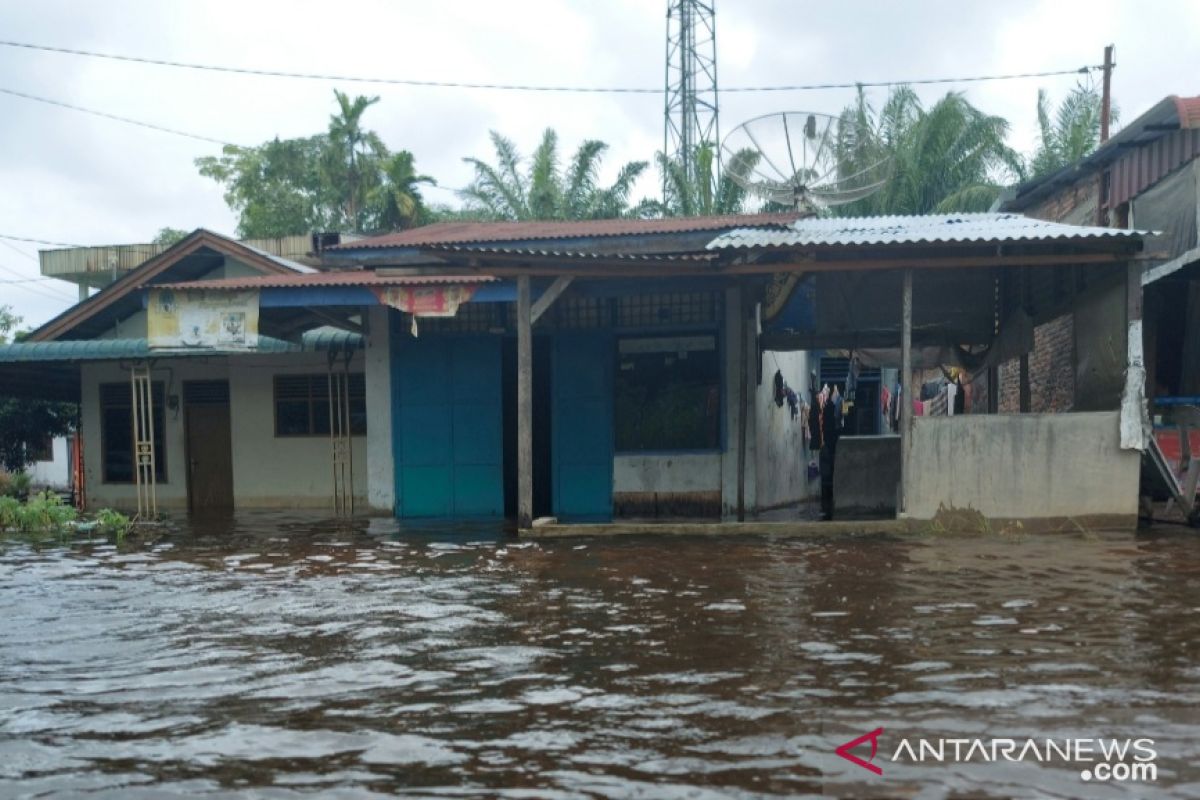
<point x="302" y="405"/>
<point x="668" y="394"/>
<point x="116" y="432"/>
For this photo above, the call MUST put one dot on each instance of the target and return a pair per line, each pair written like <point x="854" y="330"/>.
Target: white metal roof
<point x="923" y="229"/>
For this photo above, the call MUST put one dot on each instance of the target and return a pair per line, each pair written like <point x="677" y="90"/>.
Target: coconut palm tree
<point x="1072" y="134"/>
<point x="397" y="200"/>
<point x="702" y="194"/>
<point x="949" y="157"/>
<point x="544" y="190"/>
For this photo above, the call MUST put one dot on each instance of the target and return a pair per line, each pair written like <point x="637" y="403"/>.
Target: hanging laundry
<point x="780" y="388"/>
<point x="792" y="401"/>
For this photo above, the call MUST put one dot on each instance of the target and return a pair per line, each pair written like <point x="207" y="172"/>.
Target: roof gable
<point x="171" y="264"/>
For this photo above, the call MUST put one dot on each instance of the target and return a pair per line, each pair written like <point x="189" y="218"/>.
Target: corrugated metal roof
<point x="451" y="233"/>
<point x="319" y="340"/>
<point x="347" y="278"/>
<point x="575" y="254"/>
<point x="925" y="229"/>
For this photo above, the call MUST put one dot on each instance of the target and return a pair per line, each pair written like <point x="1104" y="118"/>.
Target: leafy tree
<point x="545" y="190"/>
<point x="24" y="424"/>
<point x="277" y="188"/>
<point x="170" y="236"/>
<point x="1073" y="133"/>
<point x="344" y="179"/>
<point x="949" y="157"/>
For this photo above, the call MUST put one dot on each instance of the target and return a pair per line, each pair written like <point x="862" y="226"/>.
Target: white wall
<point x="1025" y="466"/>
<point x="55" y="473"/>
<point x="268" y="472"/>
<point x="782" y="474"/>
<point x="381" y="468"/>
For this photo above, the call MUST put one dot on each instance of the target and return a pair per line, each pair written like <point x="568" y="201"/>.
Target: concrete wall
<point x="1024" y="466"/>
<point x="381" y="469"/>
<point x="782" y="468"/>
<point x="866" y="478"/>
<point x="268" y="472"/>
<point x="55" y="473"/>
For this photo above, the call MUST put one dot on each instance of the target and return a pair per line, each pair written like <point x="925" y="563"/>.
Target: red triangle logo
<point x="873" y="737"/>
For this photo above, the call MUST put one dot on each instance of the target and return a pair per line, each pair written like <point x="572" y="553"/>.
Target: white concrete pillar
<point x="381" y="468"/>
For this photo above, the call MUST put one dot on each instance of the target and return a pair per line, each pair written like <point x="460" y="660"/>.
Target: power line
<point x="516" y="87"/>
<point x="38" y="241"/>
<point x="38" y="290"/>
<point x="116" y="117"/>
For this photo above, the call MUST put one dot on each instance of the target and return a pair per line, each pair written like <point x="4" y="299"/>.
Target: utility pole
<point x="1106" y="97"/>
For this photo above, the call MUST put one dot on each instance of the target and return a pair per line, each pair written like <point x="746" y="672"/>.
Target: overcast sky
<point x="71" y="177"/>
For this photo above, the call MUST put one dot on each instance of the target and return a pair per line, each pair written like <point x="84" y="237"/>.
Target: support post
<point x="743" y="404"/>
<point x="1106" y="95"/>
<point x="1025" y="391"/>
<point x="524" y="405"/>
<point x="906" y="386"/>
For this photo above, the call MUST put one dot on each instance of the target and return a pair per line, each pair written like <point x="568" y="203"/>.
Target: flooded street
<point x="287" y="658"/>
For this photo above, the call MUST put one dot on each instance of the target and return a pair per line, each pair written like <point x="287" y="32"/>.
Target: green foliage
<point x="10" y="514"/>
<point x="8" y="323"/>
<point x="1073" y="133"/>
<point x="546" y="190"/>
<point x="23" y="421"/>
<point x="113" y="522"/>
<point x="949" y="157"/>
<point x="45" y="513"/>
<point x="344" y="179"/>
<point x="17" y="484"/>
<point x="702" y="193"/>
<point x="170" y="236"/>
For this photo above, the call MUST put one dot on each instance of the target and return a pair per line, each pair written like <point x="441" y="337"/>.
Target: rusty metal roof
<point x="460" y="233"/>
<point x="915" y="230"/>
<point x="345" y="278"/>
<point x="569" y="254"/>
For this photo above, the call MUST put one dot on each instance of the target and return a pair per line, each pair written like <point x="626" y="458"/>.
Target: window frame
<point x="158" y="389"/>
<point x="677" y="333"/>
<point x="324" y="380"/>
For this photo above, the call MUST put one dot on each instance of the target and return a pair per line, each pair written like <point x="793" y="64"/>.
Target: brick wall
<point x="1051" y="371"/>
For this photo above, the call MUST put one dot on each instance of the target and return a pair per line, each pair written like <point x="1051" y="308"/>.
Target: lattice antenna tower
<point x="690" y="117"/>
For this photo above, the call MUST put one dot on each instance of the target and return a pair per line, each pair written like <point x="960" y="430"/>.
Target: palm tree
<point x="546" y="191"/>
<point x="352" y="160"/>
<point x="950" y="157"/>
<point x="397" y="199"/>
<point x="701" y="194"/>
<point x="1074" y="132"/>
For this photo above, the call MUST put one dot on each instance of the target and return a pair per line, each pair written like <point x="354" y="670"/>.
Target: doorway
<point x="208" y="446"/>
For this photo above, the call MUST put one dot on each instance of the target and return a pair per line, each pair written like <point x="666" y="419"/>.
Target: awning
<point x="50" y="370"/>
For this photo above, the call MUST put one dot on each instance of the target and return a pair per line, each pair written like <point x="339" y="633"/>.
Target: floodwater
<point x="282" y="657"/>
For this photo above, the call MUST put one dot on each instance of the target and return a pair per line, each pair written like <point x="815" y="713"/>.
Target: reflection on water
<point x="287" y="657"/>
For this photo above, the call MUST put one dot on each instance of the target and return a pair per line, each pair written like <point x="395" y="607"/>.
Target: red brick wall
<point x="1051" y="371"/>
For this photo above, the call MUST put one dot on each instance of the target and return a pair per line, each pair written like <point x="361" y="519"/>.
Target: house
<point x="1148" y="175"/>
<point x="585" y="369"/>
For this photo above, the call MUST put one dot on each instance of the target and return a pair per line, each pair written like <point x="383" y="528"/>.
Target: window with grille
<point x="116" y="432"/>
<point x="668" y="394"/>
<point x="302" y="405"/>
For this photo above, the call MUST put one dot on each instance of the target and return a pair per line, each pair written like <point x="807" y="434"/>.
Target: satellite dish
<point x="791" y="158"/>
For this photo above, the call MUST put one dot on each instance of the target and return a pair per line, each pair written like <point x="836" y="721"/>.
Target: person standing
<point x="825" y="425"/>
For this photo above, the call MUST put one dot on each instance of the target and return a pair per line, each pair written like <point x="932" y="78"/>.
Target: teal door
<point x="582" y="422"/>
<point x="448" y="442"/>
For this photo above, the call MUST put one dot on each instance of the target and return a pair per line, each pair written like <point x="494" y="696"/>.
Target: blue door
<point x="582" y="423"/>
<point x="448" y="442"/>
